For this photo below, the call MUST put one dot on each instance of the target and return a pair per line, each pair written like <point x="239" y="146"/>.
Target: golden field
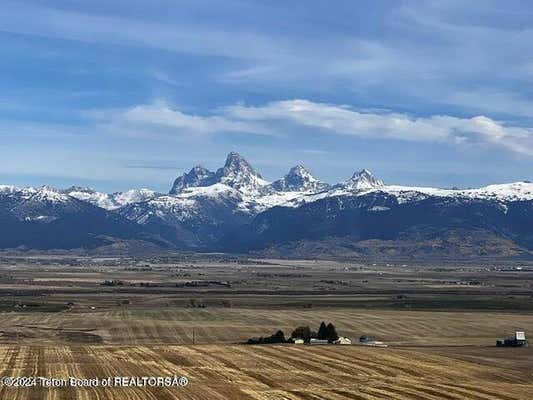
<point x="62" y="318"/>
<point x="264" y="372"/>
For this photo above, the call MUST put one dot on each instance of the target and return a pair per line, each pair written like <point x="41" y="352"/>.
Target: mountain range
<point x="234" y="209"/>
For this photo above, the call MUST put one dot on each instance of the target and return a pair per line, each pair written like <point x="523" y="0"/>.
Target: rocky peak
<point x="239" y="174"/>
<point x="298" y="179"/>
<point x="363" y="180"/>
<point x="197" y="176"/>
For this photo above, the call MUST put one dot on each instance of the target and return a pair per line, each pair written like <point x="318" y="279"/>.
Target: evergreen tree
<point x="331" y="333"/>
<point x="302" y="332"/>
<point x="278" y="337"/>
<point x="322" y="331"/>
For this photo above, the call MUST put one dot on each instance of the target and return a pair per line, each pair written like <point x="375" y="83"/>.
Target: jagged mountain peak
<point x="363" y="179"/>
<point x="239" y="174"/>
<point x="233" y="156"/>
<point x="197" y="176"/>
<point x="298" y="179"/>
<point x="235" y="164"/>
<point x="199" y="170"/>
<point x="362" y="173"/>
<point x="236" y="173"/>
<point x="299" y="170"/>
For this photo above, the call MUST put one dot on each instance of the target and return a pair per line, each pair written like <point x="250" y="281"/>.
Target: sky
<point x="126" y="93"/>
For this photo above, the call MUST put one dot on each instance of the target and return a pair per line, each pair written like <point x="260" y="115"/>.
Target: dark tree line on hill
<point x="325" y="332"/>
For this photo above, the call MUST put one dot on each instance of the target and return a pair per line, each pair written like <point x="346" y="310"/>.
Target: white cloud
<point x="286" y="116"/>
<point x="161" y="118"/>
<point x="426" y="52"/>
<point x="344" y="120"/>
<point x="162" y="114"/>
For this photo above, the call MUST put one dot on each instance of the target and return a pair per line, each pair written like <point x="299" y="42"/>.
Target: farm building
<point x="519" y="340"/>
<point x="368" y="341"/>
<point x="318" y="341"/>
<point x="343" y="340"/>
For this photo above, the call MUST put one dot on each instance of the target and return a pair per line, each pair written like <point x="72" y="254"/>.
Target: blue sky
<point x="125" y="94"/>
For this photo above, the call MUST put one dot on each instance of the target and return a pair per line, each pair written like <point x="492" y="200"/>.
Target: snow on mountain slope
<point x="14" y="191"/>
<point x="43" y="194"/>
<point x="238" y="188"/>
<point x="49" y="194"/>
<point x="8" y="189"/>
<point x="133" y="196"/>
<point x="239" y="174"/>
<point x="111" y="201"/>
<point x="298" y="179"/>
<point x="236" y="173"/>
<point x="44" y="204"/>
<point x="516" y="191"/>
<point x="197" y="176"/>
<point x="204" y="207"/>
<point x="361" y="180"/>
<point x="102" y="200"/>
<point x="185" y="205"/>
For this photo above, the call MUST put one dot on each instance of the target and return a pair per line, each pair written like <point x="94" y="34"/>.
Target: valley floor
<point x="88" y="318"/>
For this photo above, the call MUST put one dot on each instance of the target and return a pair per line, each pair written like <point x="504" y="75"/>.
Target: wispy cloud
<point x="344" y="120"/>
<point x="182" y="36"/>
<point x="322" y="118"/>
<point x="424" y="53"/>
<point x="162" y="118"/>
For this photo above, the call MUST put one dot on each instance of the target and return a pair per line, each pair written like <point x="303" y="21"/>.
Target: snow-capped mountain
<point x="111" y="201"/>
<point x="43" y="204"/>
<point x="299" y="179"/>
<point x="361" y="180"/>
<point x="203" y="205"/>
<point x="196" y="177"/>
<point x="236" y="173"/>
<point x="235" y="208"/>
<point x="495" y="220"/>
<point x="516" y="191"/>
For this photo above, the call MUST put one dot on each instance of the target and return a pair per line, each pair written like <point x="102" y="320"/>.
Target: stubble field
<point x="188" y="319"/>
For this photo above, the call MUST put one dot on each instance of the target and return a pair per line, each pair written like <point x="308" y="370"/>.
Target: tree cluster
<point x="114" y="282"/>
<point x="325" y="332"/>
<point x="278" y="337"/>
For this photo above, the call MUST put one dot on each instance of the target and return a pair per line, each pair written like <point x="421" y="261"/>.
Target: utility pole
<point x="193" y="336"/>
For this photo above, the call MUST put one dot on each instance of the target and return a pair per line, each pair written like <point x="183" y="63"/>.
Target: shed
<point x="318" y="341"/>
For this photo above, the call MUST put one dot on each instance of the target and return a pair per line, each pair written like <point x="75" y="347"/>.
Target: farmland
<point x="264" y="372"/>
<point x="86" y="317"/>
